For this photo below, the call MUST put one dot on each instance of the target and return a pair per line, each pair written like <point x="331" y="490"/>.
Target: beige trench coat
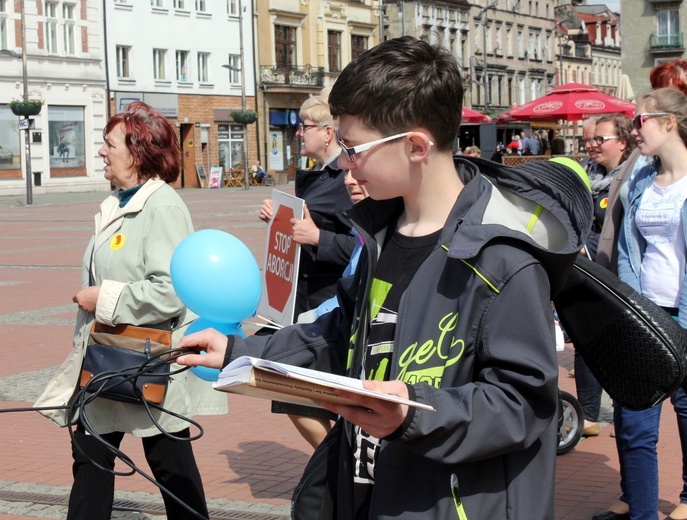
<point x="133" y="250"/>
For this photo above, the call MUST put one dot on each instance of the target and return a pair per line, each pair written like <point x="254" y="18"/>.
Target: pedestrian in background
<point x="669" y="74"/>
<point x="557" y="144"/>
<point x="651" y="258"/>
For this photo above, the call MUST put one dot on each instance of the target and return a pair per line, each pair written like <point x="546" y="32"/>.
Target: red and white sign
<point x="282" y="254"/>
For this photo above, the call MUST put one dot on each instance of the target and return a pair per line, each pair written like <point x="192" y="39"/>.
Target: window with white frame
<point x="200" y="6"/>
<point x="203" y="67"/>
<point x="159" y="56"/>
<point x="232" y="8"/>
<point x="123" y="61"/>
<point x="3" y="24"/>
<point x="234" y="69"/>
<point x="668" y="27"/>
<point x="179" y="4"/>
<point x="521" y="45"/>
<point x="530" y="45"/>
<point x="51" y="27"/>
<point x="10" y="145"/>
<point x="521" y="88"/>
<point x="68" y="28"/>
<point x="182" y="66"/>
<point x="156" y="3"/>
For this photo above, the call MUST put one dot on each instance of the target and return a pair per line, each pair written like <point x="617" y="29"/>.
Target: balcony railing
<point x="306" y="76"/>
<point x="665" y="41"/>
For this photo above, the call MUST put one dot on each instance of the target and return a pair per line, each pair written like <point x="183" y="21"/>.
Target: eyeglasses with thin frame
<point x="302" y="127"/>
<point x="601" y="139"/>
<point x="353" y="150"/>
<point x="638" y="121"/>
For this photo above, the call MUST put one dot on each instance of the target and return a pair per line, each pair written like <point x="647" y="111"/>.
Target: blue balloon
<point x="216" y="276"/>
<point x="205" y="373"/>
<point x="225" y="328"/>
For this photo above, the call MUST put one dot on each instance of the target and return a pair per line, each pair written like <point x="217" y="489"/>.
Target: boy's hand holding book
<point x="378" y="418"/>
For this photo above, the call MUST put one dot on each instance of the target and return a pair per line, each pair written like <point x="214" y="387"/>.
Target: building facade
<point x="198" y="60"/>
<point x="187" y="59"/>
<point x="303" y="46"/>
<point x="63" y="45"/>
<point x="652" y="33"/>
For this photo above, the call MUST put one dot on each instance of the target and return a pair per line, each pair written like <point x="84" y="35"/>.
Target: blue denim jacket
<point x="631" y="244"/>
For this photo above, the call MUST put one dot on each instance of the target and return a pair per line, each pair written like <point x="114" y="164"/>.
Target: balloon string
<point x="268" y="323"/>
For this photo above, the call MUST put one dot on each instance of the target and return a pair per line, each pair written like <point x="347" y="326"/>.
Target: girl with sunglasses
<point x="652" y="258"/>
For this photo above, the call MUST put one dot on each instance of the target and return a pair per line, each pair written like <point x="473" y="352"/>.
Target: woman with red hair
<point x="125" y="279"/>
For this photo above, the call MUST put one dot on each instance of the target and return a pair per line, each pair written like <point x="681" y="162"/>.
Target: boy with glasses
<point x="449" y="306"/>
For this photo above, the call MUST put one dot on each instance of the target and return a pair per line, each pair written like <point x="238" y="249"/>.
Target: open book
<point x="271" y="380"/>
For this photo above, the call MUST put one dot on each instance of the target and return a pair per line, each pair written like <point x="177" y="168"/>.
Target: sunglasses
<point x="601" y="139"/>
<point x="353" y="150"/>
<point x="638" y="121"/>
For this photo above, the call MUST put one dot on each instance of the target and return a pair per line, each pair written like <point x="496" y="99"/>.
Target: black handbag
<point x="634" y="348"/>
<point x="120" y="363"/>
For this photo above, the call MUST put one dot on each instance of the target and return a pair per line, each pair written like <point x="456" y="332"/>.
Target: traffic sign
<point x="26" y="123"/>
<point x="282" y="255"/>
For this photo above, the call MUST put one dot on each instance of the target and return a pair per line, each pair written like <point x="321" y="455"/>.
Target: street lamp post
<point x="561" y="34"/>
<point x="25" y="80"/>
<point x="482" y="15"/>
<point x="241" y="70"/>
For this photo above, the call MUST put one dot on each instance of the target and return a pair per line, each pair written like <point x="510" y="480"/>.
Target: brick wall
<point x="199" y="109"/>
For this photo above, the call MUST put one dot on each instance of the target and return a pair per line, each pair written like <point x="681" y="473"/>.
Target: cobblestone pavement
<point x="250" y="459"/>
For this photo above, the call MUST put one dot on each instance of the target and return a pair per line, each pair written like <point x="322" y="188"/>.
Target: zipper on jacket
<point x="460" y="510"/>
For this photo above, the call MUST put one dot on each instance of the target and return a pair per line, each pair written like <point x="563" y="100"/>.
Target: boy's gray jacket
<point x="474" y="339"/>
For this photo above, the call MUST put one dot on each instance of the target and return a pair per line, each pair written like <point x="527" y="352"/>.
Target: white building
<point x="183" y="57"/>
<point x="86" y="62"/>
<point x="64" y="70"/>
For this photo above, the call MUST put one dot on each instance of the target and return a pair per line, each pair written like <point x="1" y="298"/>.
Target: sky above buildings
<point x="613" y="5"/>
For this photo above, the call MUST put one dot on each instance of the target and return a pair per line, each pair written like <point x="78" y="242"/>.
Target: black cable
<point x="88" y="394"/>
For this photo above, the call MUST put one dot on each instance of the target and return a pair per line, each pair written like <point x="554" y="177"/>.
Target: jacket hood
<point x="543" y="204"/>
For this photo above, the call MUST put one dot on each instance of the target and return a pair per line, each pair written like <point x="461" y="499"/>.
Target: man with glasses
<point x="449" y="306"/>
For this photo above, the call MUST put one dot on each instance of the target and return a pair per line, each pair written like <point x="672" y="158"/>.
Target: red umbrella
<point x="470" y="116"/>
<point x="571" y="102"/>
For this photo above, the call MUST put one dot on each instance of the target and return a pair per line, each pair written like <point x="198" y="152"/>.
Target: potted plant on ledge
<point x="26" y="108"/>
<point x="245" y="117"/>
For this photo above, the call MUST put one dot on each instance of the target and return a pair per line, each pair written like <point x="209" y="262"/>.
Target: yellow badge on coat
<point x="117" y="242"/>
<point x="603" y="203"/>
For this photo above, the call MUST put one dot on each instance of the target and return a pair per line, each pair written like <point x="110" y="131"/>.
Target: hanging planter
<point x="245" y="117"/>
<point x="26" y="108"/>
